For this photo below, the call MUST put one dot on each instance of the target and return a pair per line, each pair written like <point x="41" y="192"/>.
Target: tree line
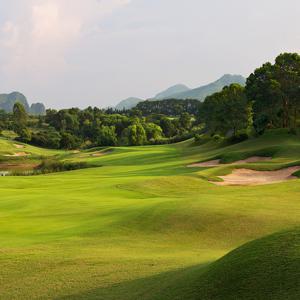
<point x="93" y="127"/>
<point x="270" y="99"/>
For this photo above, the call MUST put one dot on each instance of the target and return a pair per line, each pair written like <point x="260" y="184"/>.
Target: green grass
<point x="141" y="226"/>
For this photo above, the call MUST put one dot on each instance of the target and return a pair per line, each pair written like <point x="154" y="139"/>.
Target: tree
<point x="227" y="111"/>
<point x="136" y="135"/>
<point x="274" y="91"/>
<point x="25" y="135"/>
<point x="106" y="136"/>
<point x="153" y="131"/>
<point x="19" y="117"/>
<point x="168" y="127"/>
<point x="185" y="121"/>
<point x="69" y="141"/>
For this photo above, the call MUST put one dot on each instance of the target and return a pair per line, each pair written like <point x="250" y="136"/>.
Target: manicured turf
<point x="140" y="225"/>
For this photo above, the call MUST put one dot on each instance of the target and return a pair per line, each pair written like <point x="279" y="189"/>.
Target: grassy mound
<point x="268" y="268"/>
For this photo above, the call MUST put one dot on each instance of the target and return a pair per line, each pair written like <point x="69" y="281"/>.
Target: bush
<point x="46" y="139"/>
<point x="69" y="141"/>
<point x="217" y="138"/>
<point x="239" y="137"/>
<point x="52" y="166"/>
<point x="202" y="138"/>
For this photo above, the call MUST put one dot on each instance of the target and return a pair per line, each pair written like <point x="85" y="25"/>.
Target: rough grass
<point x="139" y="227"/>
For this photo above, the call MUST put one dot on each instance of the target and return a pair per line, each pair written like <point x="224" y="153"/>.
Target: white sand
<point x="252" y="177"/>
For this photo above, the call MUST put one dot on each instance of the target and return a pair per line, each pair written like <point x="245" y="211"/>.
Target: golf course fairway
<point x="141" y="224"/>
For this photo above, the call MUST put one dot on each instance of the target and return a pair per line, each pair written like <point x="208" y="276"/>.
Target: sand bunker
<point x="98" y="154"/>
<point x="252" y="177"/>
<point x="217" y="162"/>
<point x="18" y="154"/>
<point x="19" y="146"/>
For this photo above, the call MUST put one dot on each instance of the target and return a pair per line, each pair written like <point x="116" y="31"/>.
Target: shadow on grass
<point x="173" y="285"/>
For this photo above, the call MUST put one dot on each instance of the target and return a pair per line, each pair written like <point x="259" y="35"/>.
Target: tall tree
<point x="227" y="111"/>
<point x="19" y="117"/>
<point x="274" y="91"/>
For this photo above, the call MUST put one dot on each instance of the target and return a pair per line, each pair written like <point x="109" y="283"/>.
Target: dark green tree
<point x="19" y="117"/>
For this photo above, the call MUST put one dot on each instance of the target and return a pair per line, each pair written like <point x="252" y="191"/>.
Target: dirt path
<point x="217" y="162"/>
<point x="251" y="177"/>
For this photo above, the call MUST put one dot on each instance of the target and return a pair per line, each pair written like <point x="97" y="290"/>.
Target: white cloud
<point x="38" y="39"/>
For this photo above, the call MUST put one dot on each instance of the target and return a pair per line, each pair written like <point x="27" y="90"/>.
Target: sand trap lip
<point x="217" y="162"/>
<point x="18" y="154"/>
<point x="252" y="177"/>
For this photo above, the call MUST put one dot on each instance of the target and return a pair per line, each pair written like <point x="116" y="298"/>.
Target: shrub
<point x="239" y="137"/>
<point x="52" y="166"/>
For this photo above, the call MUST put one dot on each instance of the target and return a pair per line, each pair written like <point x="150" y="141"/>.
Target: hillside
<point x="202" y="92"/>
<point x="128" y="103"/>
<point x="7" y="102"/>
<point x="181" y="91"/>
<point x="179" y="88"/>
<point x="142" y="225"/>
<point x="266" y="268"/>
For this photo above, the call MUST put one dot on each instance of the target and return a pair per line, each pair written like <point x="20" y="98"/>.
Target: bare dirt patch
<point x="252" y="177"/>
<point x="15" y="166"/>
<point x="19" y="146"/>
<point x="18" y="154"/>
<point x="217" y="162"/>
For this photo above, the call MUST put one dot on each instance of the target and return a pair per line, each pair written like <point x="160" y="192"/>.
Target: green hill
<point x="268" y="268"/>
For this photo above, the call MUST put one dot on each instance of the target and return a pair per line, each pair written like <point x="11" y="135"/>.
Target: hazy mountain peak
<point x="7" y="102"/>
<point x="178" y="88"/>
<point x="202" y="92"/>
<point x="128" y="103"/>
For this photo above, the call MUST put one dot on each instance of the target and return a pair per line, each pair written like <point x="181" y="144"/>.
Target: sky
<point x="79" y="53"/>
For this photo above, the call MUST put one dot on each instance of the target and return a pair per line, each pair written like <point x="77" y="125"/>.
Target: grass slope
<point x="138" y="225"/>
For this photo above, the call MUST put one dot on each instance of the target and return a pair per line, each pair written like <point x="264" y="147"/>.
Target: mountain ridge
<point x="181" y="91"/>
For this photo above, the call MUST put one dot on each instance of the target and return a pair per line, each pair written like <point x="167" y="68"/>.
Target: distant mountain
<point x="128" y="103"/>
<point x="202" y="92"/>
<point x="179" y="88"/>
<point x="181" y="91"/>
<point x="7" y="102"/>
<point x="37" y="109"/>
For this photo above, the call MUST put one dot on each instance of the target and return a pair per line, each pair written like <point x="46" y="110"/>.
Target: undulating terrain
<point x="142" y="223"/>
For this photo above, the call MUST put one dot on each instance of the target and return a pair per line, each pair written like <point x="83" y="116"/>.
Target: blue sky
<point x="97" y="52"/>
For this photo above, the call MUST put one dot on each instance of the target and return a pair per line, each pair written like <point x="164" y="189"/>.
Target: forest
<point x="270" y="99"/>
